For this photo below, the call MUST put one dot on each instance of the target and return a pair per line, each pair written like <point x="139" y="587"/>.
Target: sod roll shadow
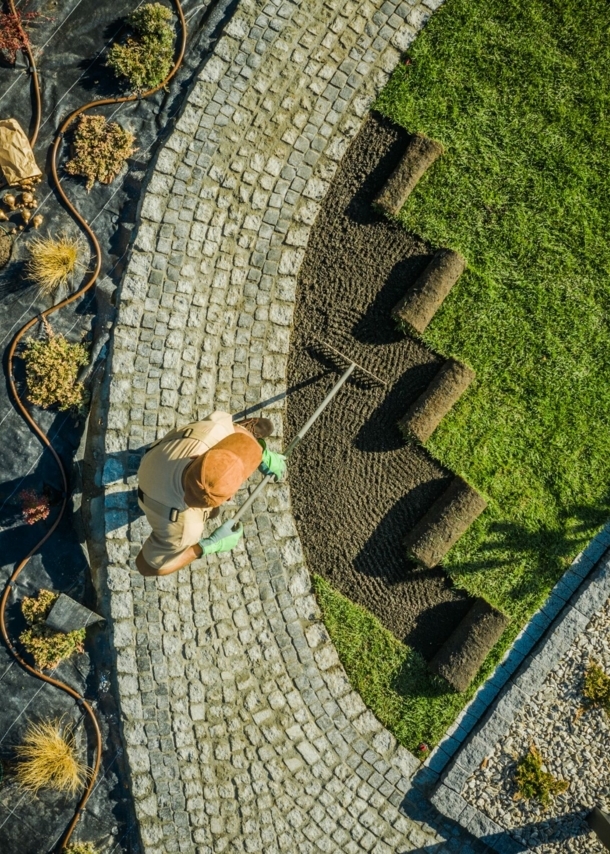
<point x="424" y="416"/>
<point x="464" y="651"/>
<point x="420" y="154"/>
<point x="444" y="523"/>
<point x="424" y="298"/>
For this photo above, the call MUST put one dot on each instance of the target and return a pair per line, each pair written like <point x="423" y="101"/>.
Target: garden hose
<point x="26" y="48"/>
<point x="11" y="583"/>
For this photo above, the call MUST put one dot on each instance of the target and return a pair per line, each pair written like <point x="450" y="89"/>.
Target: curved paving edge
<point x="241" y="729"/>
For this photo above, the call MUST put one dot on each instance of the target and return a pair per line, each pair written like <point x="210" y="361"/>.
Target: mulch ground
<point x="357" y="486"/>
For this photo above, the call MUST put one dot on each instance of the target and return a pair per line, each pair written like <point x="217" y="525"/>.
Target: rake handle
<point x="299" y="436"/>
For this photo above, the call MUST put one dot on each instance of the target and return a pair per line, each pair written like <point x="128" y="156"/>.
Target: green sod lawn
<point x="518" y="92"/>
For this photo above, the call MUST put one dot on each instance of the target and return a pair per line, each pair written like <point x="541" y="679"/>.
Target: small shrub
<point x="534" y="782"/>
<point x="47" y="757"/>
<point x="51" y="369"/>
<point x="82" y="848"/>
<point x="53" y="261"/>
<point x="146" y="60"/>
<point x="6" y="248"/>
<point x="13" y="32"/>
<point x="596" y="690"/>
<point x="35" y="507"/>
<point x="47" y="646"/>
<point x="101" y="148"/>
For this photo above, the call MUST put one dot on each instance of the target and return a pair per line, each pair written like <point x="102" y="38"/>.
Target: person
<point x="186" y="476"/>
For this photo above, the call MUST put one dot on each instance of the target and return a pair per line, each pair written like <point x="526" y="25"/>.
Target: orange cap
<point x="215" y="476"/>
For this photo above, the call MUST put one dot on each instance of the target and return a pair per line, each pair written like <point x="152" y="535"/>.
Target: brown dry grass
<point x="47" y="757"/>
<point x="54" y="261"/>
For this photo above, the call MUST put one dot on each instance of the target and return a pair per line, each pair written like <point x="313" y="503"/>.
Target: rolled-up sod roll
<point x="426" y="295"/>
<point x="465" y="650"/>
<point x="444" y="523"/>
<point x="424" y="416"/>
<point x="420" y="154"/>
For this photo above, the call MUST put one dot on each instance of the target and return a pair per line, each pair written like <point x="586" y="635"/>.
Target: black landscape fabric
<point x="426" y="295"/>
<point x="69" y="41"/>
<point x="357" y="486"/>
<point x="461" y="656"/>
<point x="424" y="416"/>
<point x="419" y="155"/>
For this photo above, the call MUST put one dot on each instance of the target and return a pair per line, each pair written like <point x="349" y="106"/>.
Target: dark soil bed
<point x="357" y="486"/>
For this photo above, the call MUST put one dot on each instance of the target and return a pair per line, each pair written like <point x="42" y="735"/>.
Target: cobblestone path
<point x="242" y="732"/>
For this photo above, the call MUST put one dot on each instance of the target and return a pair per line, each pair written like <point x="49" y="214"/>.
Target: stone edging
<point x="578" y="596"/>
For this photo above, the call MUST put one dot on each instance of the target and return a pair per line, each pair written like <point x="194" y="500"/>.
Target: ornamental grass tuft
<point x="146" y="60"/>
<point x="101" y="149"/>
<point x="54" y="261"/>
<point x="51" y="370"/>
<point x="44" y="644"/>
<point x="48" y="758"/>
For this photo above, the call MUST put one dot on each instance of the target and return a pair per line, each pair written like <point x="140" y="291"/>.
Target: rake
<point x="349" y="368"/>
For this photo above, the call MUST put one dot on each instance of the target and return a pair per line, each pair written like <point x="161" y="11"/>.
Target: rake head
<point x="339" y="361"/>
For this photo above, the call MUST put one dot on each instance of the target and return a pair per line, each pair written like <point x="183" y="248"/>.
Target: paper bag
<point x="16" y="158"/>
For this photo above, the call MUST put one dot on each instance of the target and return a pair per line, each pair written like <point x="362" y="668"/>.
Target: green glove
<point x="272" y="463"/>
<point x="224" y="538"/>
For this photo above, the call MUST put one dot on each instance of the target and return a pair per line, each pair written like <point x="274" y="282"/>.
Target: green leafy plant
<point x="596" y="690"/>
<point x="51" y="369"/>
<point x="47" y="646"/>
<point x="101" y="148"/>
<point x="534" y="782"/>
<point x="53" y="261"/>
<point x="146" y="60"/>
<point x="47" y="757"/>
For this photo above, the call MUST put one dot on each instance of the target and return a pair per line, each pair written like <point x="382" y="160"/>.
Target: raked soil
<point x="357" y="486"/>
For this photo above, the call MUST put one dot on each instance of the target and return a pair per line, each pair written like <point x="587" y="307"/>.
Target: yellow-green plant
<point x="82" y="848"/>
<point x="47" y="646"/>
<point x="596" y="690"/>
<point x="53" y="261"/>
<point x="101" y="148"/>
<point x="51" y="371"/>
<point x="47" y="758"/>
<point x="533" y="781"/>
<point x="146" y="60"/>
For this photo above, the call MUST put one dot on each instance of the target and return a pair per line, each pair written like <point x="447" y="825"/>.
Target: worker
<point x="185" y="477"/>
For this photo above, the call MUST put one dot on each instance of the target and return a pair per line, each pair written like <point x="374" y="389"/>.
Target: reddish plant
<point x="34" y="506"/>
<point x="13" y="34"/>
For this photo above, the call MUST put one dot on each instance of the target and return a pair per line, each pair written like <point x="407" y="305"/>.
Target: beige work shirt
<point x="160" y="479"/>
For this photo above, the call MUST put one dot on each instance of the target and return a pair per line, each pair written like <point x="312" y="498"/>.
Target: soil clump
<point x="357" y="486"/>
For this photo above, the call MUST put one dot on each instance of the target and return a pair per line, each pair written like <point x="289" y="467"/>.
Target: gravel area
<point x="574" y="746"/>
